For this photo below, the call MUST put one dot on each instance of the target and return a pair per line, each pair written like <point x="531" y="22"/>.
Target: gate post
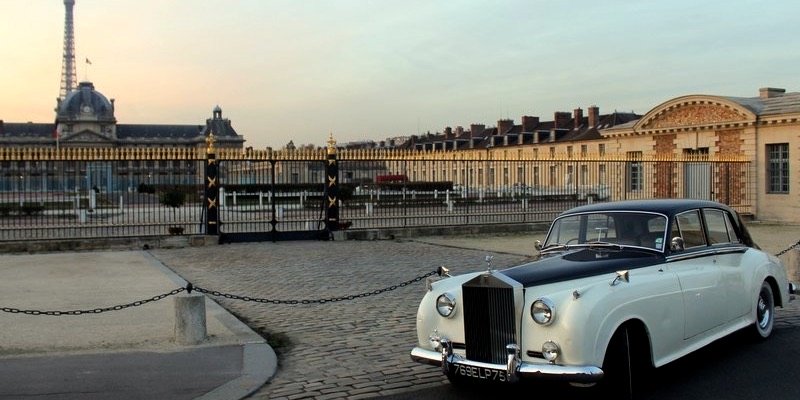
<point x="211" y="188"/>
<point x="331" y="192"/>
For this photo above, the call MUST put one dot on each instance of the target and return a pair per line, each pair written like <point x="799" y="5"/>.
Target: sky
<point x="300" y="70"/>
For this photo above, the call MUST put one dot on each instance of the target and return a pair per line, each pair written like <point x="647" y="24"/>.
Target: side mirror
<point x="537" y="245"/>
<point x="676" y="244"/>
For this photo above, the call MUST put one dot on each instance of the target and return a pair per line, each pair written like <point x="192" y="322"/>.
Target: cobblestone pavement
<point x="352" y="349"/>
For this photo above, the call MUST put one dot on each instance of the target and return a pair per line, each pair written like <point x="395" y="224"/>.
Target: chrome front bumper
<point x="515" y="368"/>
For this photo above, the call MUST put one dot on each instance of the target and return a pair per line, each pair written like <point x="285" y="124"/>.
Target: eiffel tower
<point x="68" y="75"/>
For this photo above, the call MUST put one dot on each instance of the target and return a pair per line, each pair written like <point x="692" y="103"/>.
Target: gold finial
<point x="331" y="144"/>
<point x="210" y="140"/>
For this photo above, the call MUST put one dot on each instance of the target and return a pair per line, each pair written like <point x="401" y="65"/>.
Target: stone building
<point x="688" y="134"/>
<point x="85" y="119"/>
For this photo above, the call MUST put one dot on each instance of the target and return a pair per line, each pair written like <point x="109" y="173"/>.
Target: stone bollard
<point x="190" y="318"/>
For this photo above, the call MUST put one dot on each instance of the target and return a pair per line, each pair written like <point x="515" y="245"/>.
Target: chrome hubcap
<point x="763" y="311"/>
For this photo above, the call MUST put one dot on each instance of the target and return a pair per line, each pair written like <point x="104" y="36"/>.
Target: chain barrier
<point x="189" y="289"/>
<point x="316" y="301"/>
<point x="786" y="250"/>
<point x="94" y="310"/>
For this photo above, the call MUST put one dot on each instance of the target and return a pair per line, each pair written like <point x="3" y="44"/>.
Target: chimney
<point x="529" y="123"/>
<point x="560" y="119"/>
<point x="594" y="116"/>
<point x="504" y="125"/>
<point x="768" y="92"/>
<point x="476" y="129"/>
<point x="459" y="131"/>
<point x="578" y="116"/>
<point x="448" y="132"/>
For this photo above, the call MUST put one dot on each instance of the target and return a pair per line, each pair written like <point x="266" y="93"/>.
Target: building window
<point x="601" y="174"/>
<point x="601" y="149"/>
<point x="584" y="174"/>
<point x="634" y="171"/>
<point x="569" y="151"/>
<point x="568" y="178"/>
<point x="584" y="150"/>
<point x="536" y="176"/>
<point x="778" y="168"/>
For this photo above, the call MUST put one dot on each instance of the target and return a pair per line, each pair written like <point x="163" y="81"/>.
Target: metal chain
<point x="784" y="251"/>
<point x="316" y="301"/>
<point x="94" y="310"/>
<point x="189" y="289"/>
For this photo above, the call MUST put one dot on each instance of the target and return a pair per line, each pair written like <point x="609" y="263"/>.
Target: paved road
<point x="182" y="375"/>
<point x="360" y="349"/>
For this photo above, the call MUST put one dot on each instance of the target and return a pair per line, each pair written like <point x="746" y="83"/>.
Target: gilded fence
<point x="69" y="193"/>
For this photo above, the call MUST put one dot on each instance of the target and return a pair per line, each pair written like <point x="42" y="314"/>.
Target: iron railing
<point x="92" y="193"/>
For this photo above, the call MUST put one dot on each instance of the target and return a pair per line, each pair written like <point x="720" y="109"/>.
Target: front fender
<point x="586" y="322"/>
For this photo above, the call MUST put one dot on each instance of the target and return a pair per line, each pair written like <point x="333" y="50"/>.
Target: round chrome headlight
<point x="543" y="311"/>
<point x="446" y="304"/>
<point x="550" y="350"/>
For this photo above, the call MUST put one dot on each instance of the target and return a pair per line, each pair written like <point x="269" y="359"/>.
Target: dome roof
<point x="85" y="102"/>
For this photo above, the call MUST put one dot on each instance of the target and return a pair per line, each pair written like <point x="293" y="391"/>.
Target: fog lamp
<point x="550" y="351"/>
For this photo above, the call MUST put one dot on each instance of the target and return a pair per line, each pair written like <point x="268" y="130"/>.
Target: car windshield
<point x="624" y="228"/>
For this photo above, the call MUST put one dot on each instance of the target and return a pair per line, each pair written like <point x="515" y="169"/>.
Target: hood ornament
<point x="489" y="264"/>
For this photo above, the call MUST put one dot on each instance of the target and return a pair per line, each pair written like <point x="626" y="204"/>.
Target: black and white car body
<point x="618" y="287"/>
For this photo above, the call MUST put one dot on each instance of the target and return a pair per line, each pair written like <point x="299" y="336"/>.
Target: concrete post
<point x="190" y="318"/>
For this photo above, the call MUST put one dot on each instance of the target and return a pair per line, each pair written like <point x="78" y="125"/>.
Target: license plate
<point x="489" y="374"/>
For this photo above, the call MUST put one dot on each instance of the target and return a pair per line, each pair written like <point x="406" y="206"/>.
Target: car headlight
<point x="446" y="304"/>
<point x="543" y="311"/>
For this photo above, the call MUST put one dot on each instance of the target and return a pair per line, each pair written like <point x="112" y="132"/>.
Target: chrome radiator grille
<point x="489" y="319"/>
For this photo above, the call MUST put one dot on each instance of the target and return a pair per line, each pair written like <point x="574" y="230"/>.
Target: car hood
<point x="580" y="263"/>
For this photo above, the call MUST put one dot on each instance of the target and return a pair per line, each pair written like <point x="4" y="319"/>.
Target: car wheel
<point x="625" y="367"/>
<point x="765" y="312"/>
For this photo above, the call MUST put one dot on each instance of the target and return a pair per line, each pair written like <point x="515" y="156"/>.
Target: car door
<point x="728" y="252"/>
<point x="699" y="274"/>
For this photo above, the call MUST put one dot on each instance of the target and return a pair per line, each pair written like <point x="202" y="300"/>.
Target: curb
<point x="260" y="363"/>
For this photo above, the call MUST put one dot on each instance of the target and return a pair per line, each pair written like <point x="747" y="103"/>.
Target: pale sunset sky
<point x="367" y="70"/>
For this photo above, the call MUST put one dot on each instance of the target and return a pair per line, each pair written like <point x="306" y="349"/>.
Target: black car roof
<point x="664" y="206"/>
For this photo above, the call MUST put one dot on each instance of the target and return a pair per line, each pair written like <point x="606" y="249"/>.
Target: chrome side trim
<point x="545" y="371"/>
<point x="710" y="251"/>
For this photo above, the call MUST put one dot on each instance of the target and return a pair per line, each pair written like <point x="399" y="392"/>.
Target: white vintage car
<point x="619" y="287"/>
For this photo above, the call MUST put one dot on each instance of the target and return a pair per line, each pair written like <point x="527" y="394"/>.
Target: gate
<point x="261" y="197"/>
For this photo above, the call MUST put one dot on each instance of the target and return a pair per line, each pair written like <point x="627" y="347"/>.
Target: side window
<point x="690" y="228"/>
<point x="716" y="225"/>
<point x="732" y="228"/>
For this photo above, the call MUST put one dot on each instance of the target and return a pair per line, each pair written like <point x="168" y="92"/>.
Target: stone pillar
<point x="190" y="319"/>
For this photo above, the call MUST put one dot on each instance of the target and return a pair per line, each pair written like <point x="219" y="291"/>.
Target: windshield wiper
<point x="605" y="245"/>
<point x="555" y="247"/>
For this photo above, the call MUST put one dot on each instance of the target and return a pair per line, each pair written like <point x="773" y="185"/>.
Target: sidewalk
<point x="129" y="353"/>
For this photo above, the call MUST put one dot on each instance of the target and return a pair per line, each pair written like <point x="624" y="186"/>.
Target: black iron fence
<point x="266" y="195"/>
